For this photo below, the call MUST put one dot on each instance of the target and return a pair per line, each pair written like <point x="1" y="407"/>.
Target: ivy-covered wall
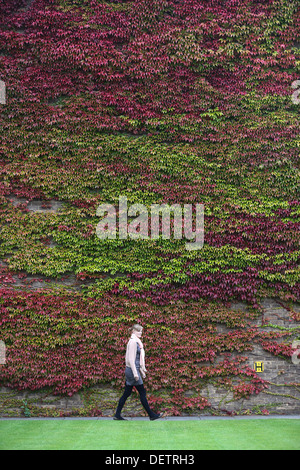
<point x="160" y="101"/>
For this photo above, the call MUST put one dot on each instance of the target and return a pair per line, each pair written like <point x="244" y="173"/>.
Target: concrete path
<point x="167" y="418"/>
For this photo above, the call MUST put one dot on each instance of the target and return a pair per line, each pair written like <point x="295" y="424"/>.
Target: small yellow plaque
<point x="258" y="366"/>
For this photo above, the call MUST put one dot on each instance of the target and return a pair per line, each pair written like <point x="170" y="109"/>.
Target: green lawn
<point x="250" y="434"/>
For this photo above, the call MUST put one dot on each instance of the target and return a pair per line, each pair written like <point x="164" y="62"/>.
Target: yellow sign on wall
<point x="259" y="366"/>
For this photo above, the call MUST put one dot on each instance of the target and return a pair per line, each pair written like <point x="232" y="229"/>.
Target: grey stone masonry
<point x="281" y="397"/>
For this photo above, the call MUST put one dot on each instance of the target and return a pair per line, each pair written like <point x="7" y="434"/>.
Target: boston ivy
<point x="163" y="102"/>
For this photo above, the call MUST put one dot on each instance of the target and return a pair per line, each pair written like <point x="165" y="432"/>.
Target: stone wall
<point x="281" y="397"/>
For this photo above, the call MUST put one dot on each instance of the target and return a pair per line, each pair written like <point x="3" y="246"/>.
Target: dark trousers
<point x="143" y="398"/>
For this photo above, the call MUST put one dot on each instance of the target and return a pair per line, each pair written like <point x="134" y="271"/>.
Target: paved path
<point x="167" y="418"/>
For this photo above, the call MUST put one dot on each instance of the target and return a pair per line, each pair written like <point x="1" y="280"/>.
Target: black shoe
<point x="160" y="415"/>
<point x="119" y="418"/>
